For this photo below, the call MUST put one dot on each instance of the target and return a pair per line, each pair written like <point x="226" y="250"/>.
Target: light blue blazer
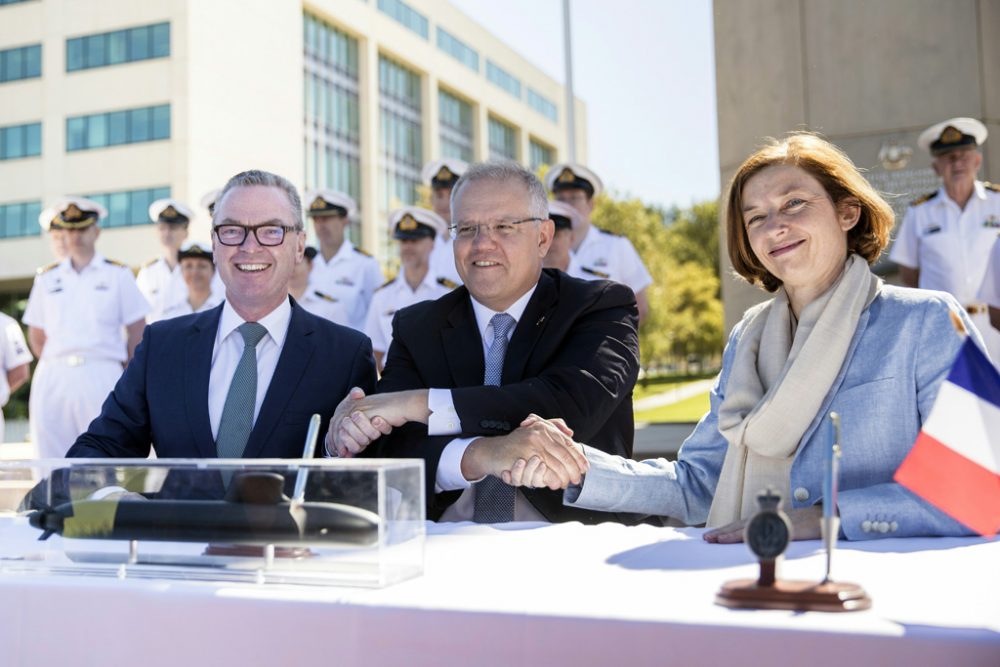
<point x="901" y="352"/>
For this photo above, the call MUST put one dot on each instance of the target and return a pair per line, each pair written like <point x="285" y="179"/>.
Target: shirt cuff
<point x="449" y="471"/>
<point x="443" y="419"/>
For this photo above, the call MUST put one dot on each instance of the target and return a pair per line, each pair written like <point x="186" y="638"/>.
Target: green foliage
<point x="685" y="311"/>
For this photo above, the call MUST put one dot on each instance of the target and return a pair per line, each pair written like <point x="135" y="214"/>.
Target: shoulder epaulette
<point x="115" y="262"/>
<point x="151" y="262"/>
<point x="444" y="282"/>
<point x="363" y="252"/>
<point x="47" y="268"/>
<point x="991" y="186"/>
<point x="324" y="296"/>
<point x="924" y="198"/>
<point x="385" y="284"/>
<point x="595" y="272"/>
<point x="604" y="231"/>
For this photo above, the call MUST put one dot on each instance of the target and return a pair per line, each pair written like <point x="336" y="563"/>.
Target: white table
<point x="530" y="594"/>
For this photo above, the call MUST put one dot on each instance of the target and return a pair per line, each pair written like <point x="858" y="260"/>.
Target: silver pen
<point x="307" y="454"/>
<point x="831" y="520"/>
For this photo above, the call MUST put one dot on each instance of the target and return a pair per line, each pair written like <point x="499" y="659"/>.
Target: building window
<point x="24" y="62"/>
<point x="406" y="15"/>
<point x="118" y="127"/>
<point x="543" y="105"/>
<point x="540" y="154"/>
<point x="128" y="208"/>
<point x="503" y="141"/>
<point x="503" y="78"/>
<point x="457" y="49"/>
<point x="455" y="125"/>
<point x="332" y="117"/>
<point x="17" y="141"/>
<point x="401" y="145"/>
<point x="20" y="219"/>
<point x="120" y="46"/>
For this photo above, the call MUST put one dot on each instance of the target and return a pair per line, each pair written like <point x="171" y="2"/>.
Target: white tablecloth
<point x="530" y="594"/>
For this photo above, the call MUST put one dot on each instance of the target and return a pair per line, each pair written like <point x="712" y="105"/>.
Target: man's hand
<point x="360" y="419"/>
<point x="539" y="453"/>
<point x="805" y="526"/>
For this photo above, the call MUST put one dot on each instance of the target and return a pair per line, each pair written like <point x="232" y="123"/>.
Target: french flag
<point x="955" y="462"/>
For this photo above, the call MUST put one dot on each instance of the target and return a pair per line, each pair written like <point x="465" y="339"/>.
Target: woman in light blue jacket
<point x="803" y="223"/>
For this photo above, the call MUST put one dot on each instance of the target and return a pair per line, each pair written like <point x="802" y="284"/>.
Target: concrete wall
<point x="863" y="73"/>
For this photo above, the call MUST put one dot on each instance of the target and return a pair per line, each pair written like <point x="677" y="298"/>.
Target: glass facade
<point x="406" y="15"/>
<point x="332" y="116"/>
<point x="543" y="105"/>
<point x="130" y="207"/>
<point x="20" y="219"/>
<point x="24" y="62"/>
<point x="457" y="49"/>
<point x="121" y="46"/>
<point x="503" y="140"/>
<point x="17" y="141"/>
<point x="539" y="154"/>
<point x="118" y="127"/>
<point x="455" y="125"/>
<point x="503" y="78"/>
<point x="401" y="146"/>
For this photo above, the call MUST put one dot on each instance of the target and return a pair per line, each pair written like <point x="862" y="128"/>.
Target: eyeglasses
<point x="500" y="230"/>
<point x="266" y="235"/>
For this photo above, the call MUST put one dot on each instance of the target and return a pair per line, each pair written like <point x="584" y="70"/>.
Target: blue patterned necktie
<point x="237" y="413"/>
<point x="494" y="499"/>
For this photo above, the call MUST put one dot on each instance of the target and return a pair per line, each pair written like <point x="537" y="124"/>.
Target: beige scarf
<point x="779" y="380"/>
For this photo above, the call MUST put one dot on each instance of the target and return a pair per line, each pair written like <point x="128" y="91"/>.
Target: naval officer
<point x="85" y="316"/>
<point x="198" y="271"/>
<point x="945" y="238"/>
<point x="317" y="302"/>
<point x="14" y="361"/>
<point x="597" y="254"/>
<point x="441" y="176"/>
<point x="341" y="270"/>
<point x="566" y="219"/>
<point x="416" y="229"/>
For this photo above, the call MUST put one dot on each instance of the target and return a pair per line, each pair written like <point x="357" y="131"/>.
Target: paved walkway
<point x="673" y="395"/>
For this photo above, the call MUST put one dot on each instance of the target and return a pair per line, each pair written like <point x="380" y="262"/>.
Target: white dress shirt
<point x="444" y="420"/>
<point x="228" y="350"/>
<point x="606" y="256"/>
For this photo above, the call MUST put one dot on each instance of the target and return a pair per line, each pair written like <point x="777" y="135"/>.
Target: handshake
<point x="539" y="453"/>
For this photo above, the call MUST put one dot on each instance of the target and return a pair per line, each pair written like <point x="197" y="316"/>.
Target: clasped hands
<point x="539" y="453"/>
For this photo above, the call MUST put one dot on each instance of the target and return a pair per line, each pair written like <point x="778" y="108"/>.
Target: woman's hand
<point x="805" y="526"/>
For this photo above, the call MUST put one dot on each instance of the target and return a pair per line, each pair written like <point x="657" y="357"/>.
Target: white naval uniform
<point x="184" y="307"/>
<point x="442" y="260"/>
<point x="82" y="315"/>
<point x="164" y="287"/>
<point x="351" y="277"/>
<point x="395" y="295"/>
<point x="607" y="256"/>
<point x="14" y="352"/>
<point x="320" y="304"/>
<point x="951" y="247"/>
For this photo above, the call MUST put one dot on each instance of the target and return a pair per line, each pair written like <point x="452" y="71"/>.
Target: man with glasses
<point x="945" y="239"/>
<point x="464" y="371"/>
<point x="241" y="379"/>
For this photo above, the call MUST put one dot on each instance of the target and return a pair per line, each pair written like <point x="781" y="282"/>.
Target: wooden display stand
<point x="794" y="595"/>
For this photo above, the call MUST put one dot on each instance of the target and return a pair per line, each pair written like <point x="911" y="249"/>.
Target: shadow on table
<point x="678" y="554"/>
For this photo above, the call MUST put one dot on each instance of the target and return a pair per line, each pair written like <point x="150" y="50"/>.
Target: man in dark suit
<point x="464" y="371"/>
<point x="242" y="379"/>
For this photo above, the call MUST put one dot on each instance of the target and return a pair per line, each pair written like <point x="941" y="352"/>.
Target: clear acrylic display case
<point x="318" y="522"/>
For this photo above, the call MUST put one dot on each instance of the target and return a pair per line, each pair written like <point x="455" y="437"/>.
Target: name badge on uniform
<point x="992" y="222"/>
<point x="55" y="289"/>
<point x="345" y="281"/>
<point x="601" y="262"/>
<point x="933" y="229"/>
<point x="102" y="287"/>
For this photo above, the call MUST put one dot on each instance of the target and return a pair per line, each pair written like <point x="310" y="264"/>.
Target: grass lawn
<point x="689" y="410"/>
<point x="659" y="385"/>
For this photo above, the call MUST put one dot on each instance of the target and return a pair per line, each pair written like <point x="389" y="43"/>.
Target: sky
<point x="646" y="71"/>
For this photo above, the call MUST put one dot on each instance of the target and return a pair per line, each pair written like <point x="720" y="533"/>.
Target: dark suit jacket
<point x="574" y="354"/>
<point x="162" y="398"/>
